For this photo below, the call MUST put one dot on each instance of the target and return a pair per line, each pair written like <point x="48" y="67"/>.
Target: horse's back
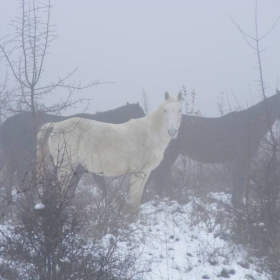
<point x="117" y="147"/>
<point x="213" y="140"/>
<point x="88" y="141"/>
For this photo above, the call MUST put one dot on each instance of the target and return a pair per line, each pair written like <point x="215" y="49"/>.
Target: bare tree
<point x="3" y="97"/>
<point x="25" y="54"/>
<point x="145" y="102"/>
<point x="254" y="42"/>
<point x="58" y="237"/>
<point x="45" y="238"/>
<point x="257" y="225"/>
<point x="190" y="102"/>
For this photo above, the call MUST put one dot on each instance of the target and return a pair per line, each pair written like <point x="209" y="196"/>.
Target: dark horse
<point x="18" y="144"/>
<point x="234" y="137"/>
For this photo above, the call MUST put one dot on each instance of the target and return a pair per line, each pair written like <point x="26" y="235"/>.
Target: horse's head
<point x="172" y="114"/>
<point x="135" y="111"/>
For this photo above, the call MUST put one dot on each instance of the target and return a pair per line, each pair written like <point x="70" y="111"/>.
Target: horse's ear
<point x="137" y="103"/>
<point x="277" y="91"/>
<point x="180" y="96"/>
<point x="166" y="95"/>
<point x="127" y="103"/>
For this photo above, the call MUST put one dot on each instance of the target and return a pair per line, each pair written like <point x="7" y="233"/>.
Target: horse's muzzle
<point x="172" y="132"/>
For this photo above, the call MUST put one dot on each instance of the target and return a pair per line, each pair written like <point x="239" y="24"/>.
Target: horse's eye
<point x="180" y="111"/>
<point x="165" y="110"/>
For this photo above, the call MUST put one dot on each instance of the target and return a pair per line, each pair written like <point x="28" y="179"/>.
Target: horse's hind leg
<point x="100" y="181"/>
<point x="240" y="170"/>
<point x="2" y="161"/>
<point x="76" y="177"/>
<point x="6" y="184"/>
<point x="7" y="176"/>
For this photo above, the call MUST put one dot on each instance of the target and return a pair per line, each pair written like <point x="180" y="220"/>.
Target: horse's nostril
<point x="172" y="131"/>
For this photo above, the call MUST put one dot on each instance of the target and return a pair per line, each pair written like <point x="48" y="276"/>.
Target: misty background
<point x="218" y="217"/>
<point x="159" y="46"/>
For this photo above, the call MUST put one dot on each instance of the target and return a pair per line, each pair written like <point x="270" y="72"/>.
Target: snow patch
<point x="177" y="247"/>
<point x="39" y="206"/>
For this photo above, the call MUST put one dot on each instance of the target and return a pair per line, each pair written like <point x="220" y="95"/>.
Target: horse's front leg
<point x="240" y="173"/>
<point x="137" y="184"/>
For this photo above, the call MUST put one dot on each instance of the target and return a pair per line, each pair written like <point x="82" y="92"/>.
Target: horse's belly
<point x="107" y="167"/>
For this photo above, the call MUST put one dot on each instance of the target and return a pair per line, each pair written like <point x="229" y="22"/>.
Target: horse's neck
<point x="273" y="107"/>
<point x="156" y="126"/>
<point x="266" y="111"/>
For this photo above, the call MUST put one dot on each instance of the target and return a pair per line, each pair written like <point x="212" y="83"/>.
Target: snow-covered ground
<point x="183" y="242"/>
<point x="178" y="244"/>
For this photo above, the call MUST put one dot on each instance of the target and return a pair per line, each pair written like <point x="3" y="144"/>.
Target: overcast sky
<point x="160" y="46"/>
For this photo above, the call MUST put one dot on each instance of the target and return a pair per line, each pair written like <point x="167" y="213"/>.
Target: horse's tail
<point x="43" y="152"/>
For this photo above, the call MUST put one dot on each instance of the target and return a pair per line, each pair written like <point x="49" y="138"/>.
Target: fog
<point x="159" y="46"/>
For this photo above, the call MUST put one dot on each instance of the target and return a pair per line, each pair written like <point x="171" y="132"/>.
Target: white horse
<point x="113" y="149"/>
